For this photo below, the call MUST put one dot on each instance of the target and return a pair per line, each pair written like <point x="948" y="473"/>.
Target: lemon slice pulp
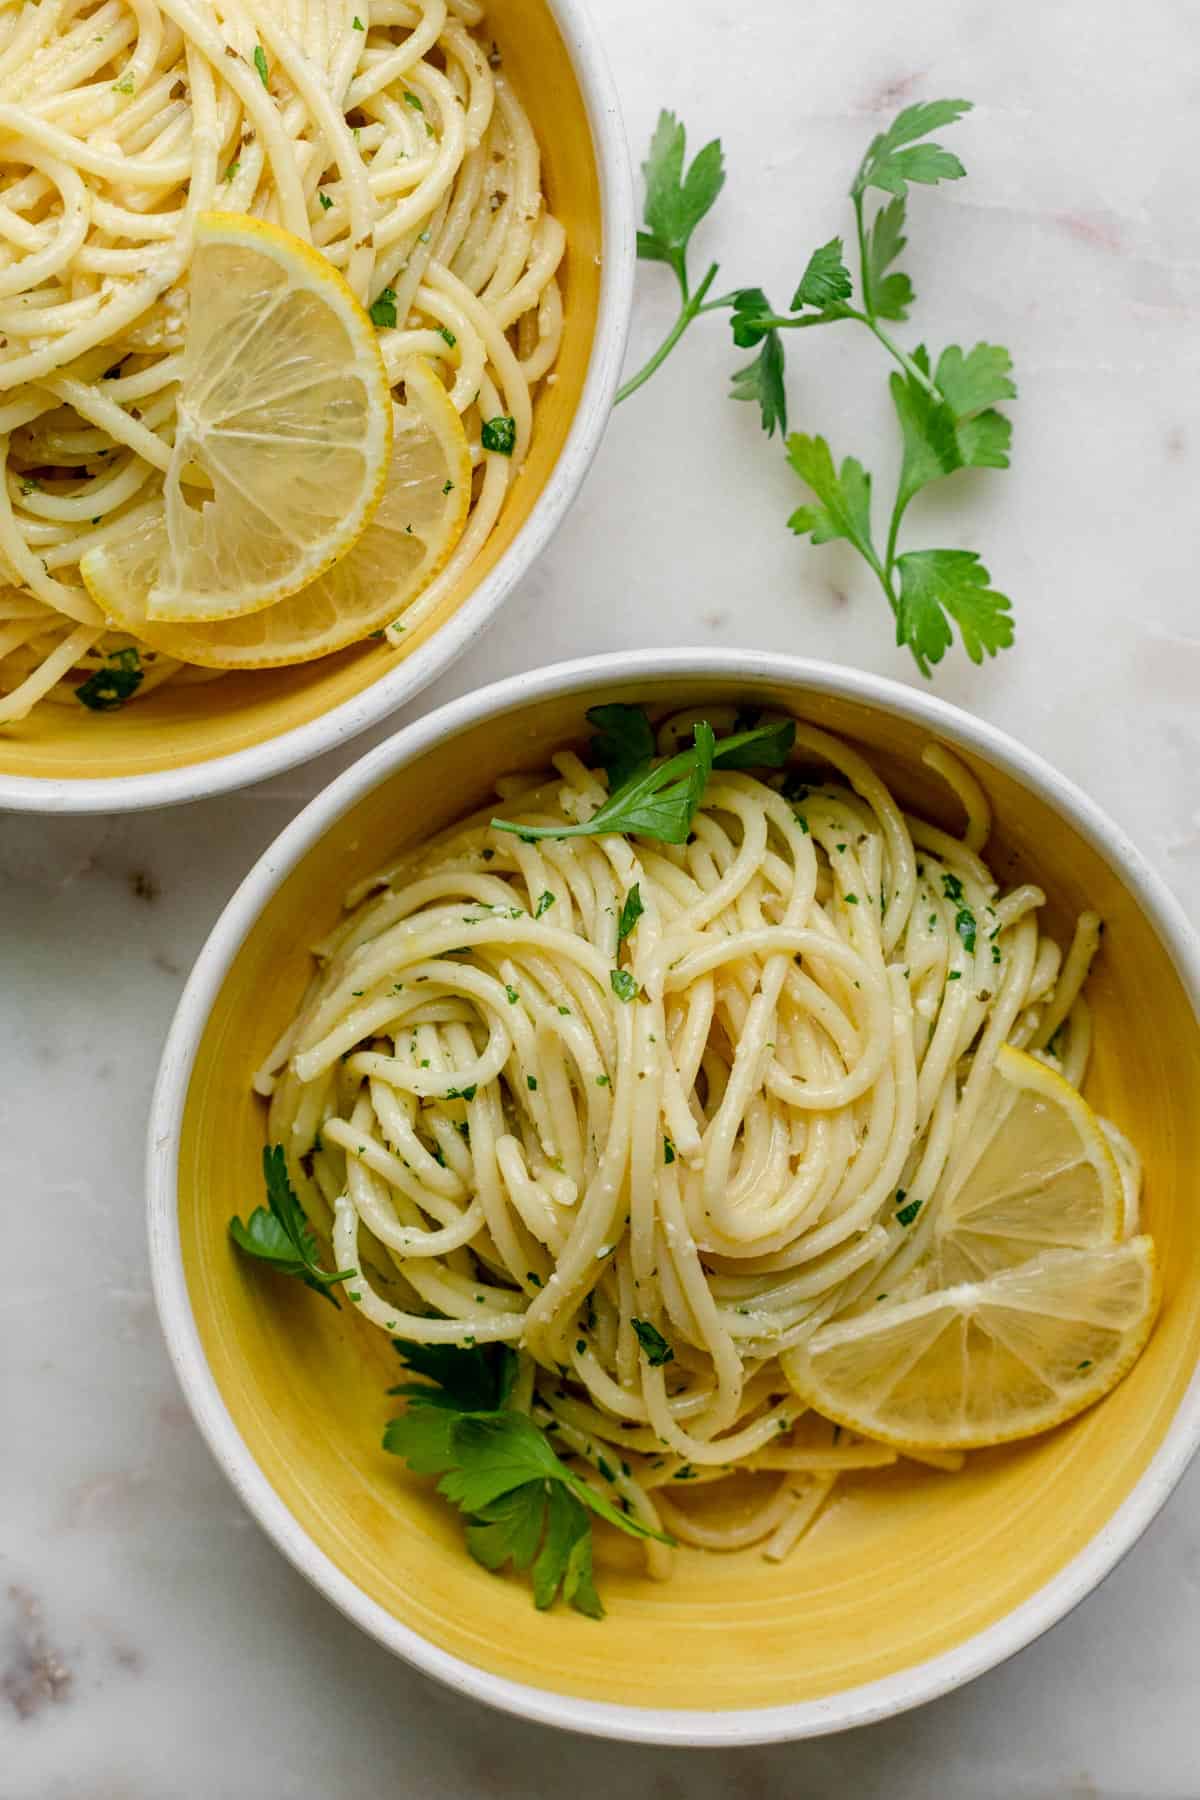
<point x="1044" y="1176"/>
<point x="426" y="497"/>
<point x="984" y="1362"/>
<point x="284" y="425"/>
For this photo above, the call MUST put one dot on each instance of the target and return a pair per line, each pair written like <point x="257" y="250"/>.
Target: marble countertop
<point x="153" y="1644"/>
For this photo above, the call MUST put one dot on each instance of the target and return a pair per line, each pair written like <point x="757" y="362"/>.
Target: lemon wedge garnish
<point x="426" y="497"/>
<point x="1044" y="1177"/>
<point x="283" y="427"/>
<point x="984" y="1362"/>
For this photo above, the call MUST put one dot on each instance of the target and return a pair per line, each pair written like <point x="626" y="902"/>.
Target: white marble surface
<point x="153" y="1645"/>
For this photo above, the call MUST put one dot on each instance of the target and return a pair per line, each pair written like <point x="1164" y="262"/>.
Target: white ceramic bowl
<point x="1101" y="1479"/>
<point x="171" y="776"/>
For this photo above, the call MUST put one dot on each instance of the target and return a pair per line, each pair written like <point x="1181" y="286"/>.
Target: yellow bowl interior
<point x="906" y="1563"/>
<point x="175" y="727"/>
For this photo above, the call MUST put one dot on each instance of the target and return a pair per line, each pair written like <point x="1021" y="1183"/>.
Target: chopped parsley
<point x="631" y="912"/>
<point x="655" y="1347"/>
<point x="110" y="687"/>
<point x="499" y="434"/>
<point x="545" y="902"/>
<point x="623" y="985"/>
<point x="260" y="63"/>
<point x="964" y="924"/>
<point x="383" y="309"/>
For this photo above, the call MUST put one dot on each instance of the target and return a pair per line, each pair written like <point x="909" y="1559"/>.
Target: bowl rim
<point x="300" y="744"/>
<point x="859" y="1705"/>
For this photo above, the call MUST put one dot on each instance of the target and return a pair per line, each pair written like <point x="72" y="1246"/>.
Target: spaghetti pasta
<point x="386" y="134"/>
<point x="658" y="1147"/>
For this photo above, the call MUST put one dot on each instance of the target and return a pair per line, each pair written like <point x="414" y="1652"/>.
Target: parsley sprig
<point x="659" y="799"/>
<point x="947" y="409"/>
<point x="280" y="1234"/>
<point x="521" y="1503"/>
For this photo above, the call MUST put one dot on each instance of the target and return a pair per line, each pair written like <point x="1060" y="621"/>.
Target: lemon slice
<point x="420" y="518"/>
<point x="284" y="424"/>
<point x="1044" y="1177"/>
<point x="983" y="1362"/>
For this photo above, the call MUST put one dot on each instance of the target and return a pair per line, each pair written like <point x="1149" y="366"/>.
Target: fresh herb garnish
<point x="964" y="924"/>
<point x="383" y="309"/>
<point x="260" y="63"/>
<point x="499" y="434"/>
<point x="659" y="800"/>
<point x="675" y="204"/>
<point x="326" y="202"/>
<point x="112" y="685"/>
<point x="521" y="1503"/>
<point x="544" y="903"/>
<point x="947" y="413"/>
<point x="908" y="1213"/>
<point x="623" y="985"/>
<point x="280" y="1234"/>
<point x="654" y="1344"/>
<point x="631" y="912"/>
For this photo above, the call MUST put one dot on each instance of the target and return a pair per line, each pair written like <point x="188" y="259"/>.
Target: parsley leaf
<point x="761" y="381"/>
<point x="752" y="317"/>
<point x="624" y="741"/>
<point x="260" y="63"/>
<point x="654" y="1344"/>
<point x="631" y="912"/>
<point x="676" y="201"/>
<point x="889" y="164"/>
<point x="522" y="1504"/>
<point x="888" y="296"/>
<point x="940" y="586"/>
<point x="844" y="496"/>
<point x="659" y="800"/>
<point x="477" y="1379"/>
<point x="975" y="380"/>
<point x="280" y="1233"/>
<point x="826" y="281"/>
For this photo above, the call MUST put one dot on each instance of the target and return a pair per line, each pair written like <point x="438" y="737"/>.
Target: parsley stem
<point x="864" y="267"/>
<point x="692" y="305"/>
<point x="906" y="362"/>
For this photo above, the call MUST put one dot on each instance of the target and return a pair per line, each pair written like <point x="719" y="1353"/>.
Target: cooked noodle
<point x="507" y="1150"/>
<point x="386" y="134"/>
